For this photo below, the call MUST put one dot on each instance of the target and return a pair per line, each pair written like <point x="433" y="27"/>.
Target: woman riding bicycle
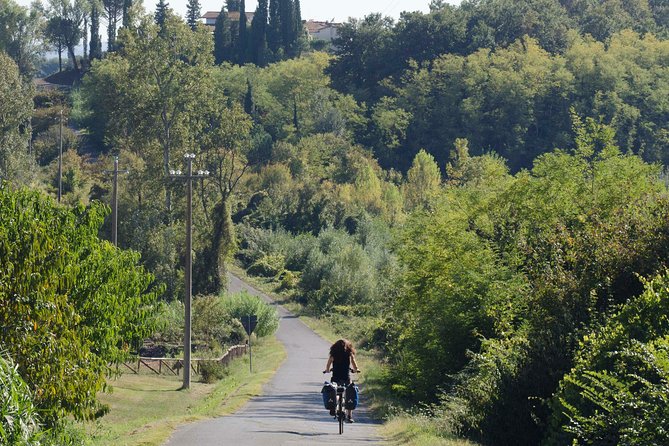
<point x="342" y="357"/>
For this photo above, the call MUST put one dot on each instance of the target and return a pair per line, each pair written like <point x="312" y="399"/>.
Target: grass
<point x="417" y="431"/>
<point x="146" y="409"/>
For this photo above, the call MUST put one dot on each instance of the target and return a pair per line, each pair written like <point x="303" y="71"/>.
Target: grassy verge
<point x="417" y="431"/>
<point x="145" y="409"/>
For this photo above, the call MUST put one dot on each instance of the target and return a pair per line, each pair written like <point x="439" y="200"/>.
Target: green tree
<point x="423" y="182"/>
<point x="17" y="108"/>
<point x="20" y="37"/>
<point x="162" y="11"/>
<point x="114" y="11"/>
<point x="95" y="51"/>
<point x="68" y="316"/>
<point x="259" y="35"/>
<point x="193" y="13"/>
<point x="274" y="41"/>
<point x="243" y="40"/>
<point x="223" y="48"/>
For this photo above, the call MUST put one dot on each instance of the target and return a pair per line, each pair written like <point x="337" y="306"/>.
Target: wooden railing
<point x="173" y="366"/>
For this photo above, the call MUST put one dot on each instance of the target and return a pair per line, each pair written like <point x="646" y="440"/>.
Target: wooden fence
<point x="173" y="366"/>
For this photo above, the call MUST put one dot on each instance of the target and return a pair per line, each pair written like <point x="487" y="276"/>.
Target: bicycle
<point x="340" y="411"/>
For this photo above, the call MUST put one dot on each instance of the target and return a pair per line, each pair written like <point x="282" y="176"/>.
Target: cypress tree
<point x="249" y="104"/>
<point x="193" y="13"/>
<point x="274" y="29"/>
<point x="259" y="34"/>
<point x="161" y="13"/>
<point x="127" y="4"/>
<point x="232" y="5"/>
<point x="298" y="33"/>
<point x="242" y="42"/>
<point x="95" y="49"/>
<point x="287" y="16"/>
<point x="222" y="38"/>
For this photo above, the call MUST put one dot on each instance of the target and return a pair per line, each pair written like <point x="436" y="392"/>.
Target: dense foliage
<point x="19" y="422"/>
<point x="479" y="193"/>
<point x="73" y="306"/>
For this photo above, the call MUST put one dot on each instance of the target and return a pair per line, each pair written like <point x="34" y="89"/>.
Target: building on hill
<point x="209" y="18"/>
<point x="322" y="30"/>
<point x="318" y="30"/>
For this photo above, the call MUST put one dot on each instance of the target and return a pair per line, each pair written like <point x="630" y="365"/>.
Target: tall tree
<point x="17" y="107"/>
<point x="274" y="29"/>
<point x="222" y="38"/>
<point x="243" y="41"/>
<point x="65" y="26"/>
<point x="161" y="13"/>
<point x="113" y="10"/>
<point x="127" y="5"/>
<point x="287" y="18"/>
<point x="259" y="34"/>
<point x="233" y="5"/>
<point x="95" y="51"/>
<point x="54" y="36"/>
<point x="193" y="13"/>
<point x="298" y="33"/>
<point x="20" y="35"/>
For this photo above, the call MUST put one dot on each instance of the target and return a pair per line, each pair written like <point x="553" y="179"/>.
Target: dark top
<point x="341" y="369"/>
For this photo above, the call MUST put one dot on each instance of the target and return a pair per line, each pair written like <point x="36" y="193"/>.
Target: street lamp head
<point x="178" y="172"/>
<point x="189" y="155"/>
<point x="172" y="171"/>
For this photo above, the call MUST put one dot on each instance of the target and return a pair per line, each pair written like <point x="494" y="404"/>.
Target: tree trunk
<point x="85" y="37"/>
<point x="60" y="56"/>
<point x="73" y="57"/>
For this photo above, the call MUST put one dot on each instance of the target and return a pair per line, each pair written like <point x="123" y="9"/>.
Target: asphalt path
<point x="290" y="410"/>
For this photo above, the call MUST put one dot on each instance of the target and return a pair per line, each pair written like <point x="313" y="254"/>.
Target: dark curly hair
<point x="341" y="349"/>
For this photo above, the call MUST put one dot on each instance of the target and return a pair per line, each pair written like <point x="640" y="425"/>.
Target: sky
<point x="339" y="10"/>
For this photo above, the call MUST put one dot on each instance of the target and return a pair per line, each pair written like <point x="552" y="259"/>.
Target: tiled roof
<point x="233" y="15"/>
<point x="313" y="26"/>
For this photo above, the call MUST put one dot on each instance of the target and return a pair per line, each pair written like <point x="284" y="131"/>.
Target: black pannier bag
<point x="329" y="393"/>
<point x="351" y="397"/>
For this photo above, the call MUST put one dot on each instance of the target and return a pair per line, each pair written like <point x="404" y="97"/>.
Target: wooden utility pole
<point x="115" y="173"/>
<point x="189" y="177"/>
<point x="60" y="156"/>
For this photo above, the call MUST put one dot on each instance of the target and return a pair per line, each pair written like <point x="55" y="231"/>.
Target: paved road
<point x="290" y="411"/>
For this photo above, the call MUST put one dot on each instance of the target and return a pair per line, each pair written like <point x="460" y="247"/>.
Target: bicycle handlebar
<point x="351" y="370"/>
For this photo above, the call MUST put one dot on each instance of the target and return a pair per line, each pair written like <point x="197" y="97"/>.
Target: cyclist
<point x="342" y="357"/>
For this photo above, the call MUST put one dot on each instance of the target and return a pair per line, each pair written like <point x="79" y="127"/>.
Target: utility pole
<point x="115" y="172"/>
<point x="189" y="177"/>
<point x="60" y="156"/>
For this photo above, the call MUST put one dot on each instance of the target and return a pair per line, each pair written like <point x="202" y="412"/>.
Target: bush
<point x="19" y="423"/>
<point x="243" y="304"/>
<point x="212" y="371"/>
<point x="618" y="390"/>
<point x="268" y="265"/>
<point x="214" y="325"/>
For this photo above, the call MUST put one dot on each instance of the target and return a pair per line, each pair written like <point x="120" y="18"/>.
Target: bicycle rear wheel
<point x="341" y="423"/>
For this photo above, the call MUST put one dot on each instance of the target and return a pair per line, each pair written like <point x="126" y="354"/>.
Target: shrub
<point x="19" y="423"/>
<point x="212" y="371"/>
<point x="618" y="390"/>
<point x="243" y="304"/>
<point x="269" y="265"/>
<point x="213" y="323"/>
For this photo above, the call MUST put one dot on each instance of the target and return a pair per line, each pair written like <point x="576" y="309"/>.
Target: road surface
<point x="290" y="410"/>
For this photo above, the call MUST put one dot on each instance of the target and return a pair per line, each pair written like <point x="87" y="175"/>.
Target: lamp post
<point x="115" y="172"/>
<point x="189" y="176"/>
